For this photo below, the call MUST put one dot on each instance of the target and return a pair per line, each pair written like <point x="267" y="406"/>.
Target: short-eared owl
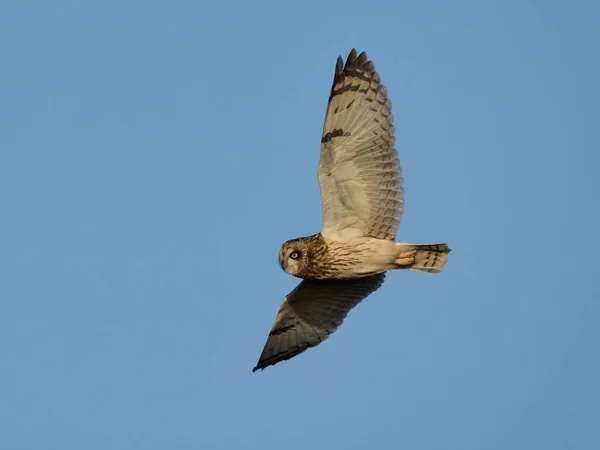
<point x="362" y="196"/>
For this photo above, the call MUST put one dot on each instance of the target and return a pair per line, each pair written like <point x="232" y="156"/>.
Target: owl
<point x="362" y="202"/>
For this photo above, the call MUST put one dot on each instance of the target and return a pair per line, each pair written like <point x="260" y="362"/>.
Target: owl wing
<point x="359" y="172"/>
<point x="310" y="313"/>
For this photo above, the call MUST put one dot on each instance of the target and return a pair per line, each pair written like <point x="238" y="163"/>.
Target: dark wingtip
<point x="339" y="65"/>
<point x="259" y="366"/>
<point x="362" y="58"/>
<point x="355" y="60"/>
<point x="352" y="55"/>
<point x="350" y="60"/>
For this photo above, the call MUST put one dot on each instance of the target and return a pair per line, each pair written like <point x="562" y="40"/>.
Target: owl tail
<point x="422" y="257"/>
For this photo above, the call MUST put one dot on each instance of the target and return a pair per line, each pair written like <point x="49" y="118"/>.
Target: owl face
<point x="293" y="257"/>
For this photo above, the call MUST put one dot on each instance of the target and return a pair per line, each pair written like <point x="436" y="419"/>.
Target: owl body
<point x="316" y="257"/>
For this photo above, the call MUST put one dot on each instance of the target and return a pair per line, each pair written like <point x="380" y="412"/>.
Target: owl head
<point x="293" y="256"/>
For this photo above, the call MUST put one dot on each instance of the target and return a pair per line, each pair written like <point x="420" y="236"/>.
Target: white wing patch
<point x="359" y="171"/>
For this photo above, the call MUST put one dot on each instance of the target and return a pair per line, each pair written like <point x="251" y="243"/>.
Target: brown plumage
<point x="362" y="201"/>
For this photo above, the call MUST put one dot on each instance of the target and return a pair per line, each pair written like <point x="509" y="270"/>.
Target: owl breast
<point x="359" y="257"/>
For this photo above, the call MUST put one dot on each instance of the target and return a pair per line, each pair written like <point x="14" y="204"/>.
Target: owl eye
<point x="295" y="255"/>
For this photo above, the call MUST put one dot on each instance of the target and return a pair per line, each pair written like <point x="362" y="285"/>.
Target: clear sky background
<point x="155" y="155"/>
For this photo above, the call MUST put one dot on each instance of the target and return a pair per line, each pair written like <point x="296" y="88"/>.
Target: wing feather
<point x="310" y="313"/>
<point x="359" y="171"/>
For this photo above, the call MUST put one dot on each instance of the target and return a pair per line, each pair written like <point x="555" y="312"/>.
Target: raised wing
<point x="310" y="313"/>
<point x="359" y="171"/>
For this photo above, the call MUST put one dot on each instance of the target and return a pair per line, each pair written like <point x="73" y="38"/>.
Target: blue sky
<point x="155" y="155"/>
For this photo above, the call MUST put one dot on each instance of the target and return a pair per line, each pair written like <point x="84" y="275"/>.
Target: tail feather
<point x="422" y="257"/>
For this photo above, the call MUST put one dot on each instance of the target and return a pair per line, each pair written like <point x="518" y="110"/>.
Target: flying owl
<point x="362" y="201"/>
